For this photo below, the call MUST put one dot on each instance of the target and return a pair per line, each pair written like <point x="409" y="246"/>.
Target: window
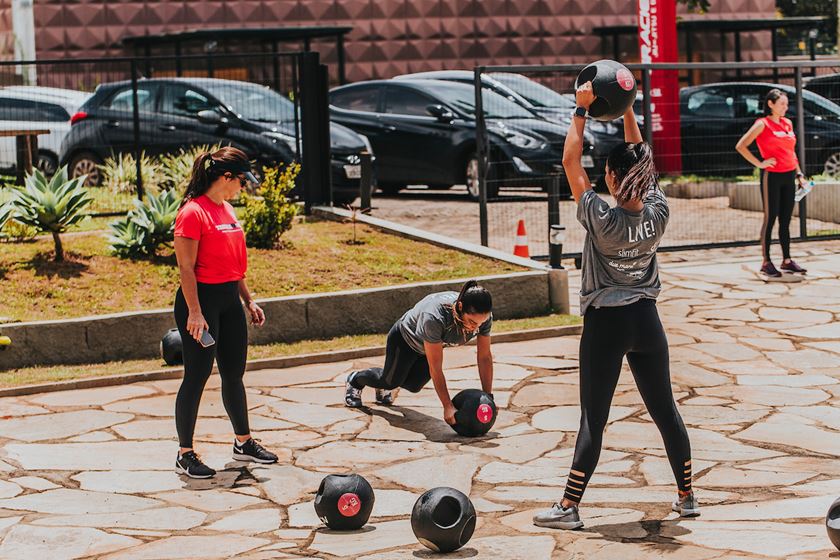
<point x="357" y="99"/>
<point x="403" y="101"/>
<point x="32" y="111"/>
<point x="122" y="100"/>
<point x="711" y="103"/>
<point x="184" y="101"/>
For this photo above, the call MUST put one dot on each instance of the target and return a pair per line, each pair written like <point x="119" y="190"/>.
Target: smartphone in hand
<point x="206" y="340"/>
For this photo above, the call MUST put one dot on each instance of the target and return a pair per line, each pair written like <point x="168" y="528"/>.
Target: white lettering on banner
<point x="644" y="30"/>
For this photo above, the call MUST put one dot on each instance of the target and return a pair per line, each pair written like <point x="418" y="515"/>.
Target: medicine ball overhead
<point x="443" y="519"/>
<point x="344" y="501"/>
<point x="613" y="85"/>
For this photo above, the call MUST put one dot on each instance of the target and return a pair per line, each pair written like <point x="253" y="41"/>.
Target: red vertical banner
<point x="658" y="43"/>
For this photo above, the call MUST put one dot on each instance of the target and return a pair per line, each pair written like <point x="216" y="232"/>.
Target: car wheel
<point x="389" y="189"/>
<point x="86" y="163"/>
<point x="47" y="163"/>
<point x="344" y="198"/>
<point x="831" y="167"/>
<point x="472" y="181"/>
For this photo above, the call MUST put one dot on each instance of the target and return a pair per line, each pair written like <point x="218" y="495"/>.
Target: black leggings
<point x="223" y="312"/>
<point x="777" y="190"/>
<point x="609" y="334"/>
<point x="404" y="367"/>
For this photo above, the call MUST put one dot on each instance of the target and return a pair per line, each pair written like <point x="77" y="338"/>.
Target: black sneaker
<point x="793" y="268"/>
<point x="386" y="397"/>
<point x="251" y="450"/>
<point x="190" y="464"/>
<point x="768" y="270"/>
<point x="352" y="396"/>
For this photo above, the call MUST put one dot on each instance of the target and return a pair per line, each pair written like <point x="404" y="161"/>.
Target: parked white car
<point x="37" y="108"/>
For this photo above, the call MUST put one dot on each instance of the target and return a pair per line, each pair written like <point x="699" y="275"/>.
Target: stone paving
<point x="88" y="474"/>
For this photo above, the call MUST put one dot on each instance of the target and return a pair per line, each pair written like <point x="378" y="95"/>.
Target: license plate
<point x="587" y="161"/>
<point x="355" y="171"/>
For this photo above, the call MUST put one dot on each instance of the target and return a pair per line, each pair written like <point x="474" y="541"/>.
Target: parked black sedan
<point x="423" y="132"/>
<point x="177" y="113"/>
<point x="714" y="116"/>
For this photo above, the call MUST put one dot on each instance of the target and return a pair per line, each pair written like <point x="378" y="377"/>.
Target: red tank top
<point x="777" y="140"/>
<point x="222" y="256"/>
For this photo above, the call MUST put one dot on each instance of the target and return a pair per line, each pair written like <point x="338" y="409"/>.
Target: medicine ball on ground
<point x="344" y="501"/>
<point x="832" y="523"/>
<point x="476" y="413"/>
<point x="613" y="85"/>
<point x="443" y="519"/>
<point x="171" y="348"/>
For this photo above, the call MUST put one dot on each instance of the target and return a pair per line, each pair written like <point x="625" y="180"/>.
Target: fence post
<point x="648" y="112"/>
<point x="136" y="126"/>
<point x="366" y="181"/>
<point x="800" y="148"/>
<point x="315" y="121"/>
<point x="555" y="230"/>
<point x="481" y="155"/>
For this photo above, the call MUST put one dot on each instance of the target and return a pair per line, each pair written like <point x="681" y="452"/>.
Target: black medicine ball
<point x="171" y="348"/>
<point x="344" y="501"/>
<point x="614" y="86"/>
<point x="476" y="413"/>
<point x="443" y="519"/>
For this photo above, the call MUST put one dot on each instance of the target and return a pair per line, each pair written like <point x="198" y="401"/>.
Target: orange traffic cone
<point x="520" y="249"/>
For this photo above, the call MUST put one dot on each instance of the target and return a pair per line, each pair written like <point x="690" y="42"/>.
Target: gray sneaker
<point x="687" y="506"/>
<point x="559" y="518"/>
<point x="386" y="397"/>
<point x="352" y="396"/>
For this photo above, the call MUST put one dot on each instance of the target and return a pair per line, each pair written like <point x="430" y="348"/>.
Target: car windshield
<point x="819" y="105"/>
<point x="462" y="98"/>
<point x="536" y="93"/>
<point x="253" y="102"/>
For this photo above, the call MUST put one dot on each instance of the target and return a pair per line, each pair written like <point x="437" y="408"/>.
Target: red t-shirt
<point x="777" y="140"/>
<point x="221" y="242"/>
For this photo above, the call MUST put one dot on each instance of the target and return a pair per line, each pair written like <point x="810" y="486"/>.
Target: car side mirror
<point x="441" y="113"/>
<point x="209" y="116"/>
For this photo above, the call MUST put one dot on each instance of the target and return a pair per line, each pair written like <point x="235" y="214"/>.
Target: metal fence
<point x="146" y="118"/>
<point x="714" y="199"/>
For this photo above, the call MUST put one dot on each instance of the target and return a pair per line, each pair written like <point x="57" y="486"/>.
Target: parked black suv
<point x="714" y="116"/>
<point x="177" y="113"/>
<point x="423" y="132"/>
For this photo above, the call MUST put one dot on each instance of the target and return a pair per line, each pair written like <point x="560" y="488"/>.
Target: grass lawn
<point x="317" y="257"/>
<point x="46" y="374"/>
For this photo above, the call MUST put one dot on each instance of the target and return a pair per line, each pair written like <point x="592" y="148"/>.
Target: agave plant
<point x="51" y="206"/>
<point x="150" y="225"/>
<point x="6" y="213"/>
<point x="176" y="168"/>
<point x="119" y="173"/>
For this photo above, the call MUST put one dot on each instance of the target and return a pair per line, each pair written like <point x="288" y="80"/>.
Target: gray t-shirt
<point x="619" y="253"/>
<point x="430" y="320"/>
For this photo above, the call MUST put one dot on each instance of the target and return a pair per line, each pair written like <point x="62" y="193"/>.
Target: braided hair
<point x="635" y="172"/>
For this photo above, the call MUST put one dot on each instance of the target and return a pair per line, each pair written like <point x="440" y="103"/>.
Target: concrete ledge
<point x="823" y="202"/>
<point x="126" y="336"/>
<point x="702" y="189"/>
<point x="265" y="363"/>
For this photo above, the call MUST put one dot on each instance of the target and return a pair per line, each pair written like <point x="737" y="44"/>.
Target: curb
<point x="266" y="363"/>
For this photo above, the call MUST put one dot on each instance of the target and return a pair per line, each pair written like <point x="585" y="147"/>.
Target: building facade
<point x="389" y="37"/>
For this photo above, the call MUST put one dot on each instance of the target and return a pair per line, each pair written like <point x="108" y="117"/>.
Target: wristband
<point x="580" y="112"/>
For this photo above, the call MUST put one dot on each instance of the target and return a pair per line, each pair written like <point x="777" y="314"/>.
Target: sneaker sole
<point x="568" y="525"/>
<point x="354" y="405"/>
<point x="185" y="472"/>
<point x="240" y="457"/>
<point x="687" y="512"/>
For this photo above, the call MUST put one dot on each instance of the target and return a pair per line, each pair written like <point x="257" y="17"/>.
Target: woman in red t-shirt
<point x="779" y="174"/>
<point x="210" y="248"/>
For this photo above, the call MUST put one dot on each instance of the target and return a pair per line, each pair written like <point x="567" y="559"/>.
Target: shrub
<point x="51" y="206"/>
<point x="269" y="213"/>
<point x="146" y="228"/>
<point x="119" y="173"/>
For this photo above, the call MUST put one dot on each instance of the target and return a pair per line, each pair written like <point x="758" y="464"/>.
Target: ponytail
<point x="634" y="170"/>
<point x="473" y="298"/>
<point x="210" y="166"/>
